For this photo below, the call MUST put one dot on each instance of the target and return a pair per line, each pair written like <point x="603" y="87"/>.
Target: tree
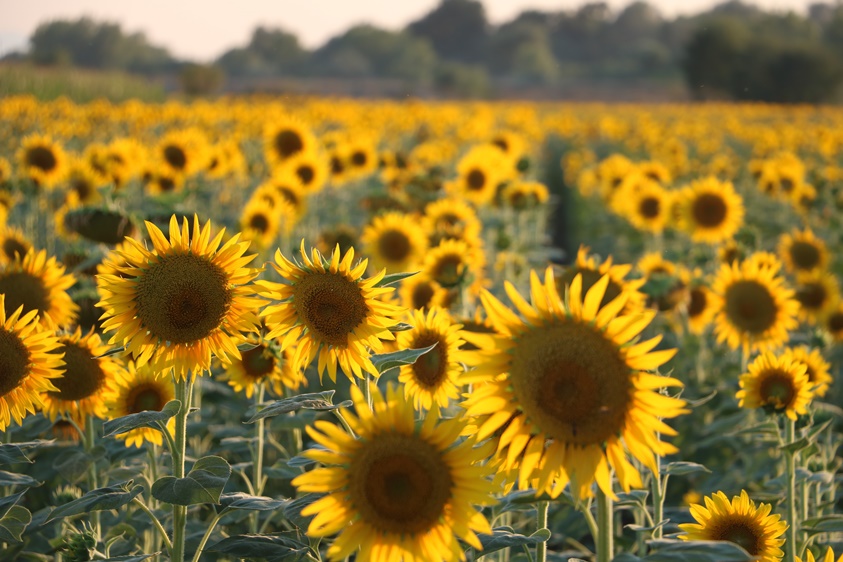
<point x="457" y="30"/>
<point x="270" y="52"/>
<point x="522" y="51"/>
<point x="710" y="56"/>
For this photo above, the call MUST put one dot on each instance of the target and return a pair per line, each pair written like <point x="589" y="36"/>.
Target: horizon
<point x="314" y="22"/>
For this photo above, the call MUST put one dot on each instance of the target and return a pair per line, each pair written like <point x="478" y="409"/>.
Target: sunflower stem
<point x="183" y="392"/>
<point x="658" y="499"/>
<point x="367" y="391"/>
<point x="541" y="523"/>
<point x="257" y="477"/>
<point x="90" y="439"/>
<point x="790" y="475"/>
<point x="605" y="534"/>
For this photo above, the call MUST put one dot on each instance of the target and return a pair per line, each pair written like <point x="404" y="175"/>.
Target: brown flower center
<point x="83" y="375"/>
<point x="330" y="305"/>
<point x="709" y="210"/>
<point x="145" y="396"/>
<point x="24" y="289"/>
<point x="750" y="307"/>
<point x="258" y="361"/>
<point x="476" y="180"/>
<point x="175" y="156"/>
<point x="14" y="361"/>
<point x="394" y="246"/>
<point x="805" y="256"/>
<point x="777" y="389"/>
<point x="41" y="157"/>
<point x="287" y="143"/>
<point x="430" y="369"/>
<point x="649" y="207"/>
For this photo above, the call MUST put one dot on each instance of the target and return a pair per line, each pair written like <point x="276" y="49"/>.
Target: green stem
<point x="257" y="465"/>
<point x="658" y="499"/>
<point x="156" y="522"/>
<point x="183" y="393"/>
<point x="206" y="536"/>
<point x="790" y="475"/>
<point x="605" y="524"/>
<point x="367" y="391"/>
<point x="90" y="439"/>
<point x="541" y="523"/>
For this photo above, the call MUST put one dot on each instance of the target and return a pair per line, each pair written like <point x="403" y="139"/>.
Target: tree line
<point x="732" y="51"/>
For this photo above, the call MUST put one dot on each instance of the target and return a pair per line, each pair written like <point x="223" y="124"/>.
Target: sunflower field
<point x="322" y="329"/>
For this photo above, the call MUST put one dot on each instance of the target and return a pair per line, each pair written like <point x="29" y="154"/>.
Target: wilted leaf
<point x="239" y="500"/>
<point x="13" y="479"/>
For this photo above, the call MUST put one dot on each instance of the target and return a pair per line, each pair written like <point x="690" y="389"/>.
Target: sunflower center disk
<point x="41" y="157"/>
<point x="259" y="222"/>
<point x="330" y="305"/>
<point x="777" y="389"/>
<point x="422" y="294"/>
<point x="835" y="322"/>
<point x="741" y="533"/>
<point x="12" y="248"/>
<point x="82" y="376"/>
<point x="305" y="174"/>
<point x="400" y="484"/>
<point x="709" y="210"/>
<point x="175" y="157"/>
<point x="394" y="246"/>
<point x="750" y="307"/>
<point x="476" y="179"/>
<point x="14" y="360"/>
<point x="183" y="298"/>
<point x="811" y="295"/>
<point x="430" y="368"/>
<point x="804" y="255"/>
<point x="288" y="143"/>
<point x="697" y="304"/>
<point x="571" y="382"/>
<point x="21" y="288"/>
<point x="145" y="397"/>
<point x="359" y="159"/>
<point x="650" y="208"/>
<point x="448" y="270"/>
<point x="258" y="362"/>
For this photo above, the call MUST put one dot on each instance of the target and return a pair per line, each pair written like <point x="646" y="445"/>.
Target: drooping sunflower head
<point x="330" y="310"/>
<point x="816" y="367"/>
<point x="802" y="252"/>
<point x="818" y="294"/>
<point x="587" y="267"/>
<point x="102" y="225"/>
<point x="777" y="383"/>
<point x="184" y="300"/>
<point x="13" y="244"/>
<point x="755" y="309"/>
<point x="739" y="521"/>
<point x="29" y="361"/>
<point x="400" y="490"/>
<point x="39" y="284"/>
<point x="42" y="160"/>
<point x="264" y="363"/>
<point x="565" y="392"/>
<point x="89" y="377"/>
<point x="141" y="389"/>
<point x="395" y="242"/>
<point x="711" y="211"/>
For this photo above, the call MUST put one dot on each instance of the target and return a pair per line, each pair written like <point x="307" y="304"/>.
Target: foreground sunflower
<point x="39" y="284"/>
<point x="739" y="521"/>
<point x="829" y="557"/>
<point x="185" y="300"/>
<point x="776" y="383"/>
<point x="566" y="393"/>
<point x="587" y="267"/>
<point x="28" y="363"/>
<point x="400" y="491"/>
<point x="330" y="310"/>
<point x="754" y="308"/>
<point x="432" y="380"/>
<point x="141" y="389"/>
<point x="264" y="363"/>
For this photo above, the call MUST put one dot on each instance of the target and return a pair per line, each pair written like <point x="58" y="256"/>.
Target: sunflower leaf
<point x="100" y="499"/>
<point x="12" y="479"/>
<point x="146" y="418"/>
<point x="13" y="524"/>
<point x="827" y="524"/>
<point x="12" y="453"/>
<point x="394" y="278"/>
<point x="669" y="550"/>
<point x="388" y="361"/>
<point x="311" y="401"/>
<point x="239" y="500"/>
<point x="795" y="446"/>
<point x="130" y="557"/>
<point x="274" y="547"/>
<point x="681" y="468"/>
<point x="505" y="537"/>
<point x="203" y="484"/>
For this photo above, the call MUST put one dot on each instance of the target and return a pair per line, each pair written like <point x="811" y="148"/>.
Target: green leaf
<point x="667" y="550"/>
<point x="12" y="479"/>
<point x="100" y="499"/>
<point x="129" y="558"/>
<point x="239" y="500"/>
<point x="504" y="537"/>
<point x="274" y="547"/>
<point x="13" y="524"/>
<point x="293" y="509"/>
<point x="12" y="453"/>
<point x="401" y="327"/>
<point x="393" y="278"/>
<point x="311" y="401"/>
<point x="795" y="446"/>
<point x="827" y="524"/>
<point x="681" y="468"/>
<point x="7" y="502"/>
<point x="388" y="361"/>
<point x="633" y="498"/>
<point x="203" y="484"/>
<point x="147" y="418"/>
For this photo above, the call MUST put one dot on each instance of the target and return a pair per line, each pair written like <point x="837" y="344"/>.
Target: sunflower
<point x="829" y="557"/>
<point x="754" y="308"/>
<point x="710" y="210"/>
<point x="183" y="152"/>
<point x="401" y="490"/>
<point x="776" y="382"/>
<point x="342" y="235"/>
<point x="802" y="252"/>
<point x="432" y="381"/>
<point x="818" y="294"/>
<point x="164" y="181"/>
<point x="729" y="251"/>
<point x="362" y="156"/>
<point x="260" y="223"/>
<point x="289" y="189"/>
<point x="522" y="195"/>
<point x="648" y="208"/>
<point x="655" y="171"/>
<point x="264" y="363"/>
<point x="454" y="262"/>
<point x="330" y="310"/>
<point x="395" y="242"/>
<point x="765" y="260"/>
<point x="310" y="167"/>
<point x="511" y="143"/>
<point x="42" y="160"/>
<point x="88" y="378"/>
<point x="567" y="393"/>
<point x="183" y="301"/>
<point x="84" y="182"/>
<point x="816" y="367"/>
<point x="139" y="390"/>
<point x="654" y="263"/>
<point x="700" y="309"/>
<point x="422" y="292"/>
<point x="285" y="139"/>
<point x="586" y="267"/>
<point x="478" y="174"/>
<point x="28" y="363"/>
<point x="13" y="244"/>
<point x="5" y="172"/>
<point x="755" y="529"/>
<point x="39" y="284"/>
<point x="834" y="324"/>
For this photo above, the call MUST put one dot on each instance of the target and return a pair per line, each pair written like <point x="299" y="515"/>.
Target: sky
<point x="202" y="30"/>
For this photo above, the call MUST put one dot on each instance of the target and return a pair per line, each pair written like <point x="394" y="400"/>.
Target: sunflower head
<point x="392" y="241"/>
<point x="42" y="160"/>
<point x="139" y="390"/>
<point x="39" y="284"/>
<point x="13" y="244"/>
<point x="264" y="363"/>
<point x="777" y="383"/>
<point x="818" y="294"/>
<point x="816" y="367"/>
<point x="590" y="271"/>
<point x="829" y="557"/>
<point x="802" y="252"/>
<point x="711" y="211"/>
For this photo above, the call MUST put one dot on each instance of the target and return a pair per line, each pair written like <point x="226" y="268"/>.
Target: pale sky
<point x="202" y="30"/>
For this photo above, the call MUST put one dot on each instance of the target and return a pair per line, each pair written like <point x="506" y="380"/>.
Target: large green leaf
<point x="13" y="524"/>
<point x="387" y="361"/>
<point x="148" y="418"/>
<point x="275" y="547"/>
<point x="203" y="484"/>
<point x="827" y="524"/>
<point x="239" y="500"/>
<point x="668" y="550"/>
<point x="393" y="278"/>
<point x="13" y="479"/>
<point x="505" y="537"/>
<point x="12" y="453"/>
<point x="311" y="401"/>
<point x="100" y="499"/>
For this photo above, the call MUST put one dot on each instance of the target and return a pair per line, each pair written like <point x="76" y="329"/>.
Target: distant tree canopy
<point x="733" y="51"/>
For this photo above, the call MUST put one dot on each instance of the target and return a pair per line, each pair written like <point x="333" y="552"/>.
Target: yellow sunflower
<point x="362" y="156"/>
<point x="263" y="362"/>
<point x="310" y="167"/>
<point x="432" y="381"/>
<point x="89" y="377"/>
<point x="739" y="521"/>
<point x="286" y="138"/>
<point x="478" y="174"/>
<point x="829" y="557"/>
<point x="260" y="223"/>
<point x="422" y="292"/>
<point x="84" y="182"/>
<point x="400" y="491"/>
<point x="164" y="181"/>
<point x="329" y="310"/>
<point x="653" y="263"/>
<point x="801" y="251"/>
<point x="777" y="382"/>
<point x="288" y="187"/>
<point x="183" y="301"/>
<point x="816" y="367"/>
<point x="42" y="160"/>
<point x="818" y="294"/>
<point x="834" y="324"/>
<point x="566" y="392"/>
<point x="183" y="152"/>
<point x="701" y="307"/>
<point x="13" y="244"/>
<point x="711" y="210"/>
<point x="765" y="260"/>
<point x="5" y="172"/>
<point x="755" y="309"/>
<point x="451" y="218"/>
<point x="648" y="207"/>
<point x="39" y="284"/>
<point x="729" y="251"/>
<point x="394" y="241"/>
<point x="28" y="363"/>
<point x="586" y="266"/>
<point x="522" y="195"/>
<point x="140" y="390"/>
